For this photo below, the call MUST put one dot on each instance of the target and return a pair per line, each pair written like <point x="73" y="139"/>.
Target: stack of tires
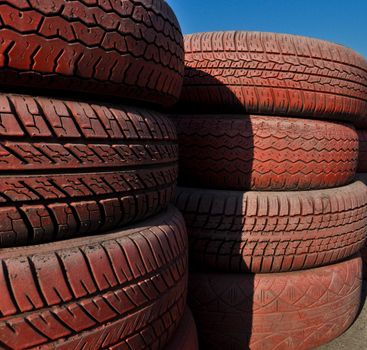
<point x="92" y="256"/>
<point x="275" y="217"/>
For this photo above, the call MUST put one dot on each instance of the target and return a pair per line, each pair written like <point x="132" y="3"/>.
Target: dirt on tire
<point x="274" y="74"/>
<point x="131" y="49"/>
<point x="296" y="310"/>
<point x="262" y="232"/>
<point x="264" y="153"/>
<point x="117" y="290"/>
<point x="75" y="168"/>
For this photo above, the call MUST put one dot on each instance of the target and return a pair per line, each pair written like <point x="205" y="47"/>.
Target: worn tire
<point x="363" y="177"/>
<point x="131" y="49"/>
<point x="264" y="153"/>
<point x="70" y="168"/>
<point x="362" y="159"/>
<point x="107" y="291"/>
<point x="275" y="74"/>
<point x="296" y="310"/>
<point x="364" y="258"/>
<point x="273" y="231"/>
<point x="186" y="337"/>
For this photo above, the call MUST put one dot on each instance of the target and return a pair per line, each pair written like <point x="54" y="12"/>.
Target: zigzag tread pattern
<point x="131" y="49"/>
<point x="276" y="74"/>
<point x="107" y="291"/>
<point x="298" y="310"/>
<point x="274" y="231"/>
<point x="72" y="168"/>
<point x="264" y="153"/>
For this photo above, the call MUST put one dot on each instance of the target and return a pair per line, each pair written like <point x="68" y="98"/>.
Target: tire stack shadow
<point x="208" y="144"/>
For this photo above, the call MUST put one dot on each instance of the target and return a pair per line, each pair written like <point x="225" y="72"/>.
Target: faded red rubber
<point x="70" y="168"/>
<point x="126" y="289"/>
<point x="264" y="153"/>
<point x="131" y="48"/>
<point x="273" y="231"/>
<point x="297" y="310"/>
<point x="274" y="74"/>
<point x="362" y="160"/>
<point x="186" y="337"/>
<point x="363" y="177"/>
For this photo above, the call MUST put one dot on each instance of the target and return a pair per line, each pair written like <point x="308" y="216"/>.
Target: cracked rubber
<point x="186" y="337"/>
<point x="273" y="231"/>
<point x="131" y="49"/>
<point x="123" y="290"/>
<point x="362" y="160"/>
<point x="274" y="74"/>
<point x="71" y="168"/>
<point x="264" y="153"/>
<point x="297" y="310"/>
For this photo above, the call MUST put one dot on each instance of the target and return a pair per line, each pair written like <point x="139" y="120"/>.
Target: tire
<point x="296" y="310"/>
<point x="264" y="153"/>
<point x="131" y="49"/>
<point x="364" y="258"/>
<point x="363" y="177"/>
<point x="71" y="168"/>
<point x="362" y="160"/>
<point x="274" y="74"/>
<point x="186" y="337"/>
<point x="107" y="291"/>
<point x="273" y="231"/>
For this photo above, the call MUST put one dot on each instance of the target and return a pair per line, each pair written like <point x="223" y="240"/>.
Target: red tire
<point x="264" y="153"/>
<point x="70" y="168"/>
<point x="131" y="49"/>
<point x="127" y="287"/>
<point x="296" y="310"/>
<point x="363" y="177"/>
<point x="186" y="337"/>
<point x="364" y="258"/>
<point x="362" y="160"/>
<point x="274" y="74"/>
<point x="273" y="231"/>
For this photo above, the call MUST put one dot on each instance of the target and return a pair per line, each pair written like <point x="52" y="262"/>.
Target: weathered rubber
<point x="264" y="153"/>
<point x="70" y="168"/>
<point x="274" y="74"/>
<point x="186" y="337"/>
<point x="363" y="177"/>
<point x="296" y="310"/>
<point x="362" y="160"/>
<point x="126" y="289"/>
<point x="131" y="48"/>
<point x="273" y="231"/>
<point x="364" y="258"/>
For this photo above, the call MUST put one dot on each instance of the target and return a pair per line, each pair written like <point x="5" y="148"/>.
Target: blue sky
<point x="340" y="21"/>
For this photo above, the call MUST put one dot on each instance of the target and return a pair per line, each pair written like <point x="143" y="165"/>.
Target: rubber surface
<point x="273" y="231"/>
<point x="275" y="74"/>
<point x="362" y="160"/>
<point x="297" y="310"/>
<point x="264" y="153"/>
<point x="363" y="177"/>
<point x="131" y="48"/>
<point x="126" y="289"/>
<point x="364" y="258"/>
<point x="186" y="337"/>
<point x="70" y="168"/>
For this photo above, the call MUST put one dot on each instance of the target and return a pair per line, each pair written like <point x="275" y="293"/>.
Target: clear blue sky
<point x="340" y="21"/>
